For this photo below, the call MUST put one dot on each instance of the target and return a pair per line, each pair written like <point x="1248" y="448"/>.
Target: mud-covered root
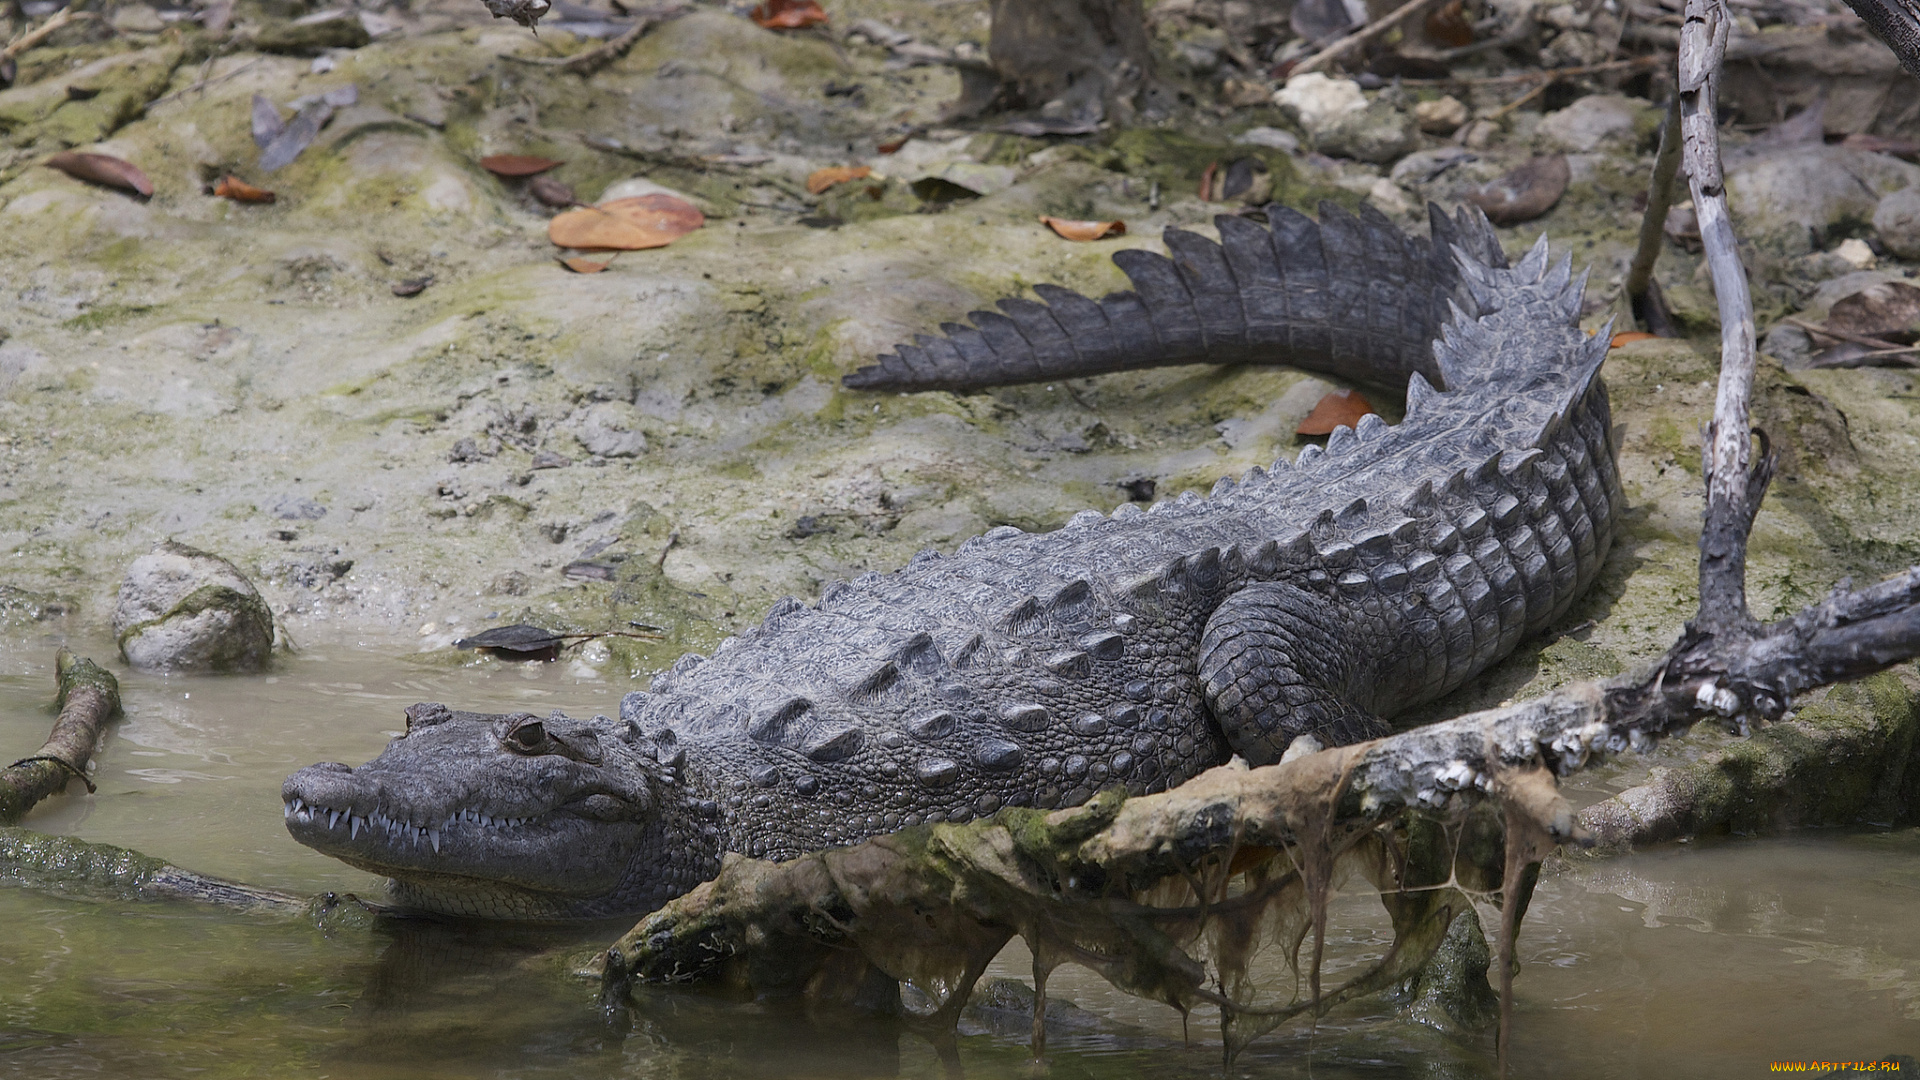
<point x="88" y="698"/>
<point x="1169" y="897"/>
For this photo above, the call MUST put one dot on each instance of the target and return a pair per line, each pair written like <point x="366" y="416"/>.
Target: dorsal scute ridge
<point x="1533" y="265"/>
<point x="1420" y="396"/>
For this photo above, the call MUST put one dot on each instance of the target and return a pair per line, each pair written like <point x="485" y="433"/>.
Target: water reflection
<point x="1712" y="959"/>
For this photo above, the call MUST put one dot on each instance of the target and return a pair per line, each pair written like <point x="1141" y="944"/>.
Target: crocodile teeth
<point x="435" y="834"/>
<point x="333" y="818"/>
<point x="353" y="827"/>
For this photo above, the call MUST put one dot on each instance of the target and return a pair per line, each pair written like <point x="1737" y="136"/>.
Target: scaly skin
<point x="1136" y="649"/>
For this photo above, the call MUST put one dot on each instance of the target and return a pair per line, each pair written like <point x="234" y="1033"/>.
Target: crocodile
<point x="1312" y="601"/>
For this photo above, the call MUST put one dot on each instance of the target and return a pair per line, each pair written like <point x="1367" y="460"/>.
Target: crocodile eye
<point x="528" y="738"/>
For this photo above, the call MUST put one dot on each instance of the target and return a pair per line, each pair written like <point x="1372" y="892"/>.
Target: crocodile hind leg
<point x="1277" y="662"/>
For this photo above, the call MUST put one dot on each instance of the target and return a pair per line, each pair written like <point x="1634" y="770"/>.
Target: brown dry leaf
<point x="513" y="166"/>
<point x="1084" y="230"/>
<point x="1341" y="407"/>
<point x="412" y="286"/>
<point x="102" y="169"/>
<point x="645" y="221"/>
<point x="1889" y="311"/>
<point x="892" y="146"/>
<point x="820" y="180"/>
<point x="232" y="187"/>
<point x="1628" y="337"/>
<point x="1449" y="26"/>
<point x="788" y="14"/>
<point x="1525" y="193"/>
<point x="1206" y="181"/>
<point x="585" y="266"/>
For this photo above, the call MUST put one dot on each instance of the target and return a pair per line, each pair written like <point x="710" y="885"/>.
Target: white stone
<point x="1442" y="116"/>
<point x="1856" y="253"/>
<point x="1315" y="101"/>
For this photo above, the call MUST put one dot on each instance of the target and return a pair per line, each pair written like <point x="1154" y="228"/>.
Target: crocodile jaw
<point x="466" y="824"/>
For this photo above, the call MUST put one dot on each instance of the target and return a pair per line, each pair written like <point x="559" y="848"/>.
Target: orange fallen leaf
<point x="1341" y="407"/>
<point x="644" y="221"/>
<point x="788" y="14"/>
<point x="1628" y="337"/>
<point x="513" y="166"/>
<point x="102" y="169"/>
<point x="585" y="266"/>
<point x="1084" y="230"/>
<point x="820" y="180"/>
<point x="1206" y="181"/>
<point x="232" y="187"/>
<point x="892" y="146"/>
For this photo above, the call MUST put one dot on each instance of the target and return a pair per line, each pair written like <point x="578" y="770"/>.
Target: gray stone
<point x="1378" y="133"/>
<point x="1897" y="221"/>
<point x="1592" y="122"/>
<point x="183" y="609"/>
<point x="1788" y="198"/>
<point x="1272" y="138"/>
<point x="1788" y="344"/>
<point x="611" y="429"/>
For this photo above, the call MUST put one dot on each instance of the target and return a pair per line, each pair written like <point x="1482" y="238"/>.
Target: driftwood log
<point x="1168" y="896"/>
<point x="88" y="697"/>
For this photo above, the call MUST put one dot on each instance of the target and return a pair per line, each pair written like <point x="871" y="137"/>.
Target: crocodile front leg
<point x="1278" y="662"/>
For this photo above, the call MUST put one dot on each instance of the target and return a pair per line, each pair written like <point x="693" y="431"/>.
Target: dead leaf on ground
<point x="102" y="169"/>
<point x="296" y="136"/>
<point x="1888" y="311"/>
<point x="412" y="286"/>
<point x="820" y="180"/>
<point x="788" y="14"/>
<point x="1525" y="193"/>
<point x="1449" y="26"/>
<point x="1084" y="230"/>
<point x="644" y="221"/>
<point x="232" y="187"/>
<point x="550" y="192"/>
<point x="892" y="146"/>
<point x="1206" y="181"/>
<point x="585" y="266"/>
<point x="514" y="166"/>
<point x="1337" y="409"/>
<point x="1628" y="337"/>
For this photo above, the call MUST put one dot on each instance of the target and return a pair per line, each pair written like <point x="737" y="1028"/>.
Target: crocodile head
<point x="512" y="816"/>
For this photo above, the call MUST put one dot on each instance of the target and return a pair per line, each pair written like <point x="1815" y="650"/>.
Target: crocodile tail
<point x="1349" y="295"/>
<point x="1519" y="326"/>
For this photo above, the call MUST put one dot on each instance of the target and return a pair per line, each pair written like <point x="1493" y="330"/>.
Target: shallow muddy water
<point x="1698" y="960"/>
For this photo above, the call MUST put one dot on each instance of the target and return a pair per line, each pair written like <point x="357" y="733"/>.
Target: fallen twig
<point x="89" y="697"/>
<point x="594" y="59"/>
<point x="1549" y="74"/>
<point x="1360" y="37"/>
<point x="201" y="85"/>
<point x="45" y="30"/>
<point x="1877" y="344"/>
<point x="1642" y="292"/>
